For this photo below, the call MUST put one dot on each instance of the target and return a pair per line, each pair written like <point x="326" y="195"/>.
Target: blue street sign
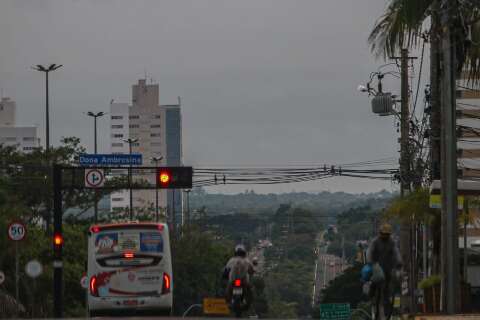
<point x="110" y="159"/>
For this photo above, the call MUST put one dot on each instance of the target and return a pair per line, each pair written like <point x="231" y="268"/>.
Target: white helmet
<point x="240" y="250"/>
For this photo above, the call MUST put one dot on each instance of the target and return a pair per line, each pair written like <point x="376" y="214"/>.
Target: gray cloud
<point x="263" y="82"/>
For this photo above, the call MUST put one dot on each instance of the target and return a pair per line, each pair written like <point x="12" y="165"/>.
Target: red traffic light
<point x="174" y="177"/>
<point x="164" y="177"/>
<point x="58" y="240"/>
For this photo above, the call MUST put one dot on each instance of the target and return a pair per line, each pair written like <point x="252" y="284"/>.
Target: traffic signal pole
<point x="57" y="250"/>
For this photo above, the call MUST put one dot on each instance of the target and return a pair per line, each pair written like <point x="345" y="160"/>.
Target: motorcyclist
<point x="239" y="267"/>
<point x="384" y="251"/>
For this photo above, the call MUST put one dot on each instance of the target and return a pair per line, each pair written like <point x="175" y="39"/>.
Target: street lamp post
<point x="156" y="160"/>
<point x="130" y="141"/>
<point x="46" y="70"/>
<point x="95" y="116"/>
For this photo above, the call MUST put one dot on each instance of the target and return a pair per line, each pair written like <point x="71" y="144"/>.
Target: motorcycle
<point x="238" y="303"/>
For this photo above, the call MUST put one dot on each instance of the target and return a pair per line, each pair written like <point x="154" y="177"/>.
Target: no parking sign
<point x="94" y="178"/>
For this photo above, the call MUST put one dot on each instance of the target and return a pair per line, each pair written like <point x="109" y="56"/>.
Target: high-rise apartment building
<point x="151" y="124"/>
<point x="173" y="126"/>
<point x="23" y="137"/>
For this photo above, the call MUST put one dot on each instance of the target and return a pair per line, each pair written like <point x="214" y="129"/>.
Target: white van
<point x="129" y="269"/>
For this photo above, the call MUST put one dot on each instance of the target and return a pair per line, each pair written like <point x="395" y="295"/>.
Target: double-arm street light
<point x="156" y="160"/>
<point x="95" y="116"/>
<point x="130" y="141"/>
<point x="47" y="70"/>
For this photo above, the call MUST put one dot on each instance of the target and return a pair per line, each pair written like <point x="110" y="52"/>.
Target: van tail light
<point x="237" y="283"/>
<point x="93" y="286"/>
<point x="166" y="284"/>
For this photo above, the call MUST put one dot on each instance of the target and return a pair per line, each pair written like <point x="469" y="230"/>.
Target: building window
<point x="11" y="138"/>
<point x="28" y="148"/>
<point x="117" y="135"/>
<point x="155" y="134"/>
<point x="136" y="144"/>
<point x="157" y="116"/>
<point x="117" y="199"/>
<point x="117" y="144"/>
<point x="28" y="138"/>
<point x="134" y="117"/>
<point x="132" y="126"/>
<point x="117" y="126"/>
<point x="155" y="126"/>
<point x="117" y="117"/>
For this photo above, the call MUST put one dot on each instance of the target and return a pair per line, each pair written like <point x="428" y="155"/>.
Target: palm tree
<point x="403" y="25"/>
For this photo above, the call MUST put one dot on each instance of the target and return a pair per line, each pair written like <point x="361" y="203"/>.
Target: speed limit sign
<point x="17" y="231"/>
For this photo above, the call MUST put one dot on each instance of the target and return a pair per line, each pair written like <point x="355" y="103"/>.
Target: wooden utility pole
<point x="407" y="300"/>
<point x="450" y="267"/>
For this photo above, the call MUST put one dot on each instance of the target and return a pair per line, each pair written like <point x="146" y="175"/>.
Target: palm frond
<point x="400" y="27"/>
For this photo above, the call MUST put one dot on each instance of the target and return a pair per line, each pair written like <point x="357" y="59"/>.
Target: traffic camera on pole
<point x="174" y="177"/>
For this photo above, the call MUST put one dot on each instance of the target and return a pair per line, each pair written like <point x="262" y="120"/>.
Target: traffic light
<point x="174" y="177"/>
<point x="57" y="245"/>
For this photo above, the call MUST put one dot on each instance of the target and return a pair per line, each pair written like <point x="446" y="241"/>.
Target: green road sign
<point x="335" y="311"/>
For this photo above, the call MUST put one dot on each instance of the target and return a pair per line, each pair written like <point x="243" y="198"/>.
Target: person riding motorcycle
<point x="384" y="252"/>
<point x="239" y="267"/>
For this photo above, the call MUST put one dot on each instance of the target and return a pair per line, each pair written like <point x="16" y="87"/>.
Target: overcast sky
<point x="263" y="82"/>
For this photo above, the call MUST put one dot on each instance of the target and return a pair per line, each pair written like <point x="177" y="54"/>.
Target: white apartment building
<point x="23" y="137"/>
<point x="145" y="120"/>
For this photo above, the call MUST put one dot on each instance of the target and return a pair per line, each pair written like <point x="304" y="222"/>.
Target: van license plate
<point x="130" y="302"/>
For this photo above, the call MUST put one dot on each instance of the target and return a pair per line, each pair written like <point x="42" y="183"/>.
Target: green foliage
<point x="253" y="203"/>
<point x="345" y="288"/>
<point x="38" y="246"/>
<point x="429" y="282"/>
<point x="336" y="249"/>
<point x="290" y="285"/>
<point x="289" y="282"/>
<point x="260" y="304"/>
<point x="198" y="261"/>
<point x="413" y="207"/>
<point x="357" y="223"/>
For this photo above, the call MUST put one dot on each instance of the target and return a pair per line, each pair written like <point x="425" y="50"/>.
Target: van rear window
<point x="135" y="241"/>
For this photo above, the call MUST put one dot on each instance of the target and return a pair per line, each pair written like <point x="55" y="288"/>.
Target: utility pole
<point x="450" y="269"/>
<point x="408" y="299"/>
